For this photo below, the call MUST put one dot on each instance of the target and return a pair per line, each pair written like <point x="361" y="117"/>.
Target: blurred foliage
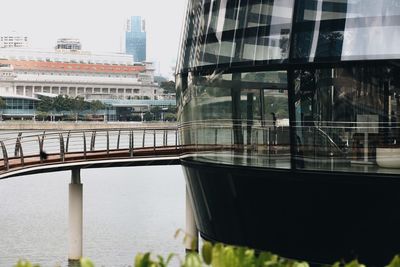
<point x="66" y="103"/>
<point x="3" y="104"/>
<point x="169" y="87"/>
<point x="219" y="255"/>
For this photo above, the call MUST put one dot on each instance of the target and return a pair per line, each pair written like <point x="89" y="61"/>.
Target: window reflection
<point x="238" y="118"/>
<point x="346" y="30"/>
<point x="221" y="32"/>
<point x="347" y="117"/>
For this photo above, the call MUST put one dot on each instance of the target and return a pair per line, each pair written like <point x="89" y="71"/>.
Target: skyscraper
<point x="135" y="38"/>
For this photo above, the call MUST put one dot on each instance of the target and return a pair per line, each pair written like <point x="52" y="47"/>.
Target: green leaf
<point x="301" y="264"/>
<point x="169" y="258"/>
<point x="249" y="258"/>
<point x="206" y="252"/>
<point x="23" y="263"/>
<point x="85" y="262"/>
<point x="395" y="262"/>
<point x="143" y="260"/>
<point x="230" y="258"/>
<point x="192" y="260"/>
<point x="354" y="263"/>
<point x="217" y="256"/>
<point x="138" y="259"/>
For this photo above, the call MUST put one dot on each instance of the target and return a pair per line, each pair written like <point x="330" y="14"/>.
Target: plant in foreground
<point x="220" y="255"/>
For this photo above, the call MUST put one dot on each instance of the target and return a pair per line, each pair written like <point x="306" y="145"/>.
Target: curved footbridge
<point x="31" y="152"/>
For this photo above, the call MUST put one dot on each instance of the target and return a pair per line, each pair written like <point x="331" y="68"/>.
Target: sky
<point x="99" y="24"/>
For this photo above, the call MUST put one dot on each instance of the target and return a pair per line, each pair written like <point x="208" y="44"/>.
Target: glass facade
<point x="135" y="39"/>
<point x="303" y="85"/>
<point x="17" y="107"/>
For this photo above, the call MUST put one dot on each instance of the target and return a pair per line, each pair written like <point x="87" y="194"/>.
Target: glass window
<point x="346" y="30"/>
<point x="347" y="118"/>
<point x="237" y="118"/>
<point x="233" y="31"/>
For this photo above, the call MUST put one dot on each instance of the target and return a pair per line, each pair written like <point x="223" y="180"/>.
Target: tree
<point x="170" y="116"/>
<point x="62" y="103"/>
<point x="78" y="105"/>
<point x="156" y="111"/>
<point x="3" y="105"/>
<point x="148" y="116"/>
<point x="169" y="87"/>
<point x="45" y="104"/>
<point x="96" y="105"/>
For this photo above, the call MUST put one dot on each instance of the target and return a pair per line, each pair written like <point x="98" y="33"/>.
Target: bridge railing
<point x="23" y="147"/>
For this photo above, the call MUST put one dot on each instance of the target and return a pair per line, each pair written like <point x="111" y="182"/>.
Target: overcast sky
<point x="99" y="24"/>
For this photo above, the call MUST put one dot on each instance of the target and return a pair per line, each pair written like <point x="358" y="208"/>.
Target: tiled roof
<point x="71" y="67"/>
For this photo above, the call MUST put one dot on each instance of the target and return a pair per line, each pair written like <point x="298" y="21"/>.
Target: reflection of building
<point x="324" y="186"/>
<point x="135" y="38"/>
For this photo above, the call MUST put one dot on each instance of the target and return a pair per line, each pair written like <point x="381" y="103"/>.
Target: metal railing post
<point x="67" y="144"/>
<point x="5" y="156"/>
<point x="216" y="136"/>
<point x="108" y="143"/>
<point x="118" y="138"/>
<point x="40" y="142"/>
<point x="164" y="138"/>
<point x="84" y="145"/>
<point x="131" y="143"/>
<point x="17" y="144"/>
<point x="154" y="141"/>
<point x="176" y="138"/>
<point x="21" y="154"/>
<point x="62" y="148"/>
<point x="93" y="141"/>
<point x="144" y="137"/>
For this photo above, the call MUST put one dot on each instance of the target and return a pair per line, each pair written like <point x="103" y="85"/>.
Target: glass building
<point x="289" y="114"/>
<point x="135" y="38"/>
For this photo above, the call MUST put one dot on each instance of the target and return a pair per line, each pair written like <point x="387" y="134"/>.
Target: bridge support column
<point x="75" y="215"/>
<point x="192" y="243"/>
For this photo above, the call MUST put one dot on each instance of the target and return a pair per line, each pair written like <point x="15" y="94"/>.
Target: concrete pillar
<point x="75" y="216"/>
<point x="191" y="243"/>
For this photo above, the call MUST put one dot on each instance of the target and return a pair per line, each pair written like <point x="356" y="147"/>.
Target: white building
<point x="28" y="72"/>
<point x="68" y="44"/>
<point x="13" y="40"/>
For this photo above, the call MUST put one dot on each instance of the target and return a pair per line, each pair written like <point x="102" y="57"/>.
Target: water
<point x="126" y="211"/>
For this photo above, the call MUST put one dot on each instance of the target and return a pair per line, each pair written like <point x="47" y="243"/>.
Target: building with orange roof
<point x="29" y="74"/>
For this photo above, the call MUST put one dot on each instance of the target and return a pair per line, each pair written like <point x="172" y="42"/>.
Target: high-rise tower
<point x="135" y="38"/>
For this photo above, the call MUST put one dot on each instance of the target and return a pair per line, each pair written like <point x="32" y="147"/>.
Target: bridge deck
<point x="26" y="150"/>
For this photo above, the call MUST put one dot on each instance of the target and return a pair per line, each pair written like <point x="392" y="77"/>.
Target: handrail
<point x="5" y="156"/>
<point x="119" y="137"/>
<point x="84" y="145"/>
<point x="93" y="141"/>
<point x="71" y="146"/>
<point x="62" y="149"/>
<point x="66" y="147"/>
<point x="131" y="144"/>
<point x="108" y="143"/>
<point x="17" y="144"/>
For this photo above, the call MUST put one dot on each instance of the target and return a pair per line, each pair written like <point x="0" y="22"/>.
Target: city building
<point x="30" y="73"/>
<point x="13" y="40"/>
<point x="135" y="38"/>
<point x="291" y="112"/>
<point x="68" y="44"/>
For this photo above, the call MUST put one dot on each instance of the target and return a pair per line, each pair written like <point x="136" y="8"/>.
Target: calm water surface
<point x="126" y="211"/>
